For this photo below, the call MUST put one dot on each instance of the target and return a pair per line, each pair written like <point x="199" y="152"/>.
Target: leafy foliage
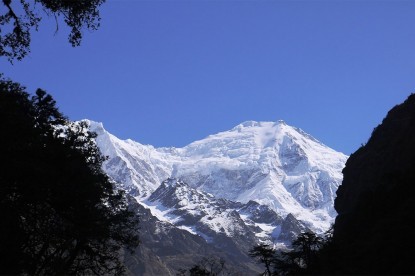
<point x="60" y="213"/>
<point x="21" y="17"/>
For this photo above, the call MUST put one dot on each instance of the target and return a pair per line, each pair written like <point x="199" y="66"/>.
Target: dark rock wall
<point x="375" y="223"/>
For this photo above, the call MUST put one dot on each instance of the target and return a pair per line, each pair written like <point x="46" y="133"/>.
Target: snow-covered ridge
<point x="271" y="163"/>
<point x="204" y="215"/>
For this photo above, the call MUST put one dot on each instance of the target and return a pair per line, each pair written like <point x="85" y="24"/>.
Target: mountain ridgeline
<point x="258" y="182"/>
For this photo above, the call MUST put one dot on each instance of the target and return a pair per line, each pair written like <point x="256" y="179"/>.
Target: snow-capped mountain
<point x="204" y="215"/>
<point x="258" y="182"/>
<point x="271" y="163"/>
<point x="226" y="227"/>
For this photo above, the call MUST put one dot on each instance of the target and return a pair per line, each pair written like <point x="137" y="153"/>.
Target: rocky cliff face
<point x="375" y="220"/>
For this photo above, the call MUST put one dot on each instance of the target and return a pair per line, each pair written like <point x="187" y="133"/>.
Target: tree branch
<point x="11" y="12"/>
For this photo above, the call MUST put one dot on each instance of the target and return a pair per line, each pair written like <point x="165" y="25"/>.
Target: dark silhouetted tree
<point x="302" y="258"/>
<point x="306" y="245"/>
<point x="19" y="17"/>
<point x="60" y="213"/>
<point x="264" y="254"/>
<point x="197" y="270"/>
<point x="208" y="266"/>
<point x="325" y="260"/>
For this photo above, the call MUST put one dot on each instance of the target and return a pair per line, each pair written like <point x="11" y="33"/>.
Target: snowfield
<point x="271" y="163"/>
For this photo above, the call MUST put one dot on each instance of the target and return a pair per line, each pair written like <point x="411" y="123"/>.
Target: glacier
<point x="270" y="164"/>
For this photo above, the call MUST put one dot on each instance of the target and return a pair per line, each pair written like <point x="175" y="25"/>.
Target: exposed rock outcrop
<point x="165" y="249"/>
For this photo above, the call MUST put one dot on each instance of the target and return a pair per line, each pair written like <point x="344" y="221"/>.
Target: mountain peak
<point x="258" y="182"/>
<point x="258" y="124"/>
<point x="269" y="162"/>
<point x="250" y="124"/>
<point x="172" y="182"/>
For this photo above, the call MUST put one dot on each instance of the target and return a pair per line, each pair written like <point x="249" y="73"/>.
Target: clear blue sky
<point x="167" y="73"/>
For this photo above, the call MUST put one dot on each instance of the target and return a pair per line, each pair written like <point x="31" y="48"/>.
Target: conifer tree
<point x="59" y="212"/>
<point x="264" y="253"/>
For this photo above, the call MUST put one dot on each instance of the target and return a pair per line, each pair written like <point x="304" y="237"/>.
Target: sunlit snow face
<point x="272" y="163"/>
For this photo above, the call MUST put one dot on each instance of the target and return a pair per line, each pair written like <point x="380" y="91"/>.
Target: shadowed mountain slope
<point x="373" y="230"/>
